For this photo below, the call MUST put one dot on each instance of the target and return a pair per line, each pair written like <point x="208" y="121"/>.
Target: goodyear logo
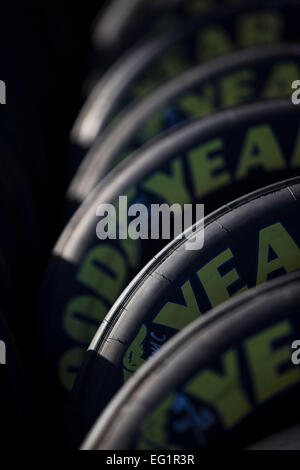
<point x="104" y="270"/>
<point x="177" y="316"/>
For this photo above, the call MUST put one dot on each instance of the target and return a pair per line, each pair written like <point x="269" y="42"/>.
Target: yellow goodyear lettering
<point x="83" y="315"/>
<point x="199" y="104"/>
<point x="237" y="88"/>
<point x="204" y="161"/>
<point x="104" y="283"/>
<point x="179" y="316"/>
<point x="257" y="28"/>
<point x="253" y="29"/>
<point x="104" y="272"/>
<point x="223" y="392"/>
<point x="286" y="253"/>
<point x="170" y="187"/>
<point x="85" y="310"/>
<point x="204" y="5"/>
<point x="69" y="366"/>
<point x="281" y="77"/>
<point x="200" y="5"/>
<point x="260" y="150"/>
<point x="154" y="430"/>
<point x="216" y="285"/>
<point x="213" y="42"/>
<point x="265" y="362"/>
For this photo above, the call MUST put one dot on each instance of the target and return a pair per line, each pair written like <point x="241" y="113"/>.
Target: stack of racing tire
<point x="117" y="332"/>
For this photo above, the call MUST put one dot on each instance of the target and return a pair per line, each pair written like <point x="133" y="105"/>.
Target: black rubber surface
<point x="20" y="130"/>
<point x="147" y="65"/>
<point x="43" y="57"/>
<point x="20" y="250"/>
<point x="244" y="76"/>
<point x="225" y="380"/>
<point x="285" y="440"/>
<point x="12" y="393"/>
<point x="178" y="286"/>
<point x="43" y="52"/>
<point x="211" y="161"/>
<point x="20" y="235"/>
